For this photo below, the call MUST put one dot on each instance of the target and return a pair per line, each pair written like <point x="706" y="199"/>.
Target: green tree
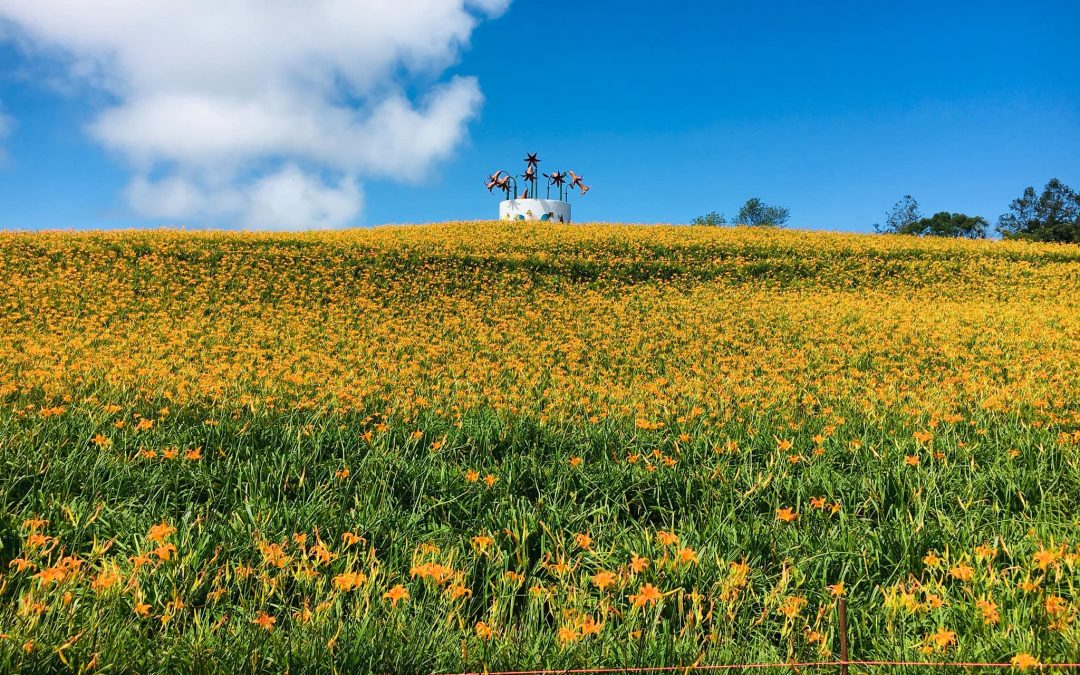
<point x="903" y="215"/>
<point x="756" y="212"/>
<point x="710" y="218"/>
<point x="945" y="224"/>
<point x="1052" y="216"/>
<point x="904" y="218"/>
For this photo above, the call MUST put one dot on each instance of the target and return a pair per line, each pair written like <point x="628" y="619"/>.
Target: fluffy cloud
<point x="270" y="201"/>
<point x="267" y="112"/>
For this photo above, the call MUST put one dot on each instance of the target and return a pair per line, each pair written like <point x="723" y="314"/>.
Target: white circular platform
<point x="535" y="209"/>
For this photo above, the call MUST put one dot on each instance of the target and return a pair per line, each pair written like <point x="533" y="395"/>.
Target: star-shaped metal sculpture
<point x="530" y="172"/>
<point x="531" y="159"/>
<point x="555" y="178"/>
<point x="493" y="181"/>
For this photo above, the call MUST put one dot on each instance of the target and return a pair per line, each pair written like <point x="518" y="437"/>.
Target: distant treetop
<point x="1052" y="216"/>
<point x="901" y="216"/>
<point x="710" y="218"/>
<point x="904" y="218"/>
<point x="756" y="212"/>
<point x="753" y="212"/>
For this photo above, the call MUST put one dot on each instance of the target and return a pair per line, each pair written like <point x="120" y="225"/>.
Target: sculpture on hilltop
<point x="505" y="181"/>
<point x="529" y="205"/>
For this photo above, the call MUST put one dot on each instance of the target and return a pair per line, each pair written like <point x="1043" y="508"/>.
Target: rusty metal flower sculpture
<point x="575" y="180"/>
<point x="506" y="182"/>
<point x="556" y="178"/>
<point x="501" y="180"/>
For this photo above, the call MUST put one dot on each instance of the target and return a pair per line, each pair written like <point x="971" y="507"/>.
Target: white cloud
<point x="288" y="199"/>
<point x="290" y="196"/>
<point x="219" y="104"/>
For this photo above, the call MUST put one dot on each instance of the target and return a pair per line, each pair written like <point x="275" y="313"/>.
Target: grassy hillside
<point x="483" y="445"/>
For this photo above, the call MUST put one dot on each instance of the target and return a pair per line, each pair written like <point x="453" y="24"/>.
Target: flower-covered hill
<point x="492" y="445"/>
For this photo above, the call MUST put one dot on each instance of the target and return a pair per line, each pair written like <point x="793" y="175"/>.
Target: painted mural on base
<point x="545" y="210"/>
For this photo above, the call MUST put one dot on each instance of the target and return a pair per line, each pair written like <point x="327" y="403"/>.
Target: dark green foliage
<point x="1052" y="216"/>
<point x="945" y="224"/>
<point x="756" y="212"/>
<point x="710" y="218"/>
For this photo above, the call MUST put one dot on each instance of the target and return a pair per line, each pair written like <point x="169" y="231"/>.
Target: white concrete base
<point x="535" y="209"/>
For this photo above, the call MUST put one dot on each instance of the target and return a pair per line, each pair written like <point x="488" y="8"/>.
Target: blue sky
<point x="670" y="110"/>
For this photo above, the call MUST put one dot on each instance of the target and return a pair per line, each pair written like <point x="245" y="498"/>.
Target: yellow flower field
<point x="489" y="445"/>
